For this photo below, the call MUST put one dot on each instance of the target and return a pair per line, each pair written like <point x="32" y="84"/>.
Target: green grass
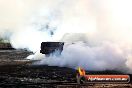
<point x="2" y="40"/>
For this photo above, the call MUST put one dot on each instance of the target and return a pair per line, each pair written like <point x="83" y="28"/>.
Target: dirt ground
<point x="17" y="72"/>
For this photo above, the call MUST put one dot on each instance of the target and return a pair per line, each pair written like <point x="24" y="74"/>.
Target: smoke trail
<point x="99" y="57"/>
<point x="106" y="43"/>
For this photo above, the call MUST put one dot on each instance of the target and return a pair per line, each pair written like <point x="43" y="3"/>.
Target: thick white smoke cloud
<point x="107" y="25"/>
<point x="99" y="57"/>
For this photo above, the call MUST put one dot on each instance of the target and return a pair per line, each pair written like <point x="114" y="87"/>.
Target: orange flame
<point x="81" y="71"/>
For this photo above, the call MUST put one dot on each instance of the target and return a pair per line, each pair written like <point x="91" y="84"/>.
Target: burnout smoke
<point x="97" y="33"/>
<point x="100" y="57"/>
